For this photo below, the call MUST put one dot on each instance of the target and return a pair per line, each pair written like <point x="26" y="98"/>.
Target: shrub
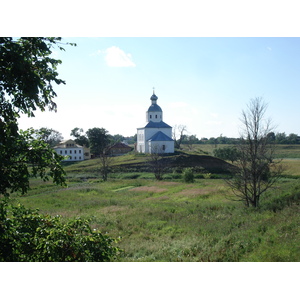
<point x="26" y="235"/>
<point x="176" y="175"/>
<point x="207" y="175"/>
<point x="188" y="175"/>
<point x="279" y="202"/>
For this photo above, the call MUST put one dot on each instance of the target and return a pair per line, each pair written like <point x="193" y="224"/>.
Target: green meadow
<point x="174" y="221"/>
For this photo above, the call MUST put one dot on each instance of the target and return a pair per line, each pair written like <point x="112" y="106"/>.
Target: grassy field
<point x="282" y="151"/>
<point x="171" y="220"/>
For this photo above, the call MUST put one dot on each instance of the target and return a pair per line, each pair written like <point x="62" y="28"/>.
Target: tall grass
<point x="176" y="221"/>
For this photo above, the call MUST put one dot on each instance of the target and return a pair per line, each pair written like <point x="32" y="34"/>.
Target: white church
<point x="156" y="135"/>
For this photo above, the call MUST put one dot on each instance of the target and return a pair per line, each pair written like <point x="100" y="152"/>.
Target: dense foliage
<point x="28" y="236"/>
<point x="27" y="74"/>
<point x="228" y="153"/>
<point x="277" y="138"/>
<point x="98" y="140"/>
<point x="188" y="175"/>
<point x="49" y="135"/>
<point x="21" y="157"/>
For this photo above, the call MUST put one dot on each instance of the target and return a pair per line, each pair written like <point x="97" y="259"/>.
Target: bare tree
<point x="178" y="135"/>
<point x="256" y="169"/>
<point x="157" y="162"/>
<point x="105" y="164"/>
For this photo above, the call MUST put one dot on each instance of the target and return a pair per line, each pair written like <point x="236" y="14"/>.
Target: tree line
<point x="277" y="138"/>
<point x="97" y="139"/>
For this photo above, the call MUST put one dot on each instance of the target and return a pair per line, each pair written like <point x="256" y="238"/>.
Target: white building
<point x="156" y="135"/>
<point x="71" y="151"/>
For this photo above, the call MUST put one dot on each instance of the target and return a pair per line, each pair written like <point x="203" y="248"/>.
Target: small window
<point x="70" y="151"/>
<point x="70" y="157"/>
<point x="79" y="151"/>
<point x="75" y="151"/>
<point x="79" y="157"/>
<point x="155" y="116"/>
<point x="60" y="151"/>
<point x="164" y="147"/>
<point x="150" y="116"/>
<point x="66" y="151"/>
<point x="75" y="158"/>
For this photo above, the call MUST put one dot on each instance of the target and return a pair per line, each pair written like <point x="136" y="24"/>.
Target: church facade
<point x="156" y="135"/>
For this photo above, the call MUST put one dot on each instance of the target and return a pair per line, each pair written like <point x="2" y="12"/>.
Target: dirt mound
<point x="204" y="163"/>
<point x="209" y="163"/>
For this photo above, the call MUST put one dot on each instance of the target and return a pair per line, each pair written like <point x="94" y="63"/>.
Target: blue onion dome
<point x="154" y="107"/>
<point x="153" y="97"/>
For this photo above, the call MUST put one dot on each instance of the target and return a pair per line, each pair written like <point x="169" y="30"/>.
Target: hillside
<point x="133" y="162"/>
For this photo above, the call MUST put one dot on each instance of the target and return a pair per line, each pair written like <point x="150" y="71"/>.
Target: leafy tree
<point x="99" y="140"/>
<point x="27" y="75"/>
<point x="293" y="138"/>
<point x="256" y="170"/>
<point x="80" y="139"/>
<point x="116" y="138"/>
<point x="131" y="139"/>
<point x="49" y="136"/>
<point x="271" y="137"/>
<point x="24" y="156"/>
<point x="281" y="138"/>
<point x="226" y="153"/>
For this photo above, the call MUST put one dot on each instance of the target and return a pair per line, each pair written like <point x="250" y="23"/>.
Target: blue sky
<point x="202" y="83"/>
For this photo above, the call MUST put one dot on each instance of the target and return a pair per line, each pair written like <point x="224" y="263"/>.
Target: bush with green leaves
<point x="227" y="153"/>
<point x="28" y="236"/>
<point x="188" y="175"/>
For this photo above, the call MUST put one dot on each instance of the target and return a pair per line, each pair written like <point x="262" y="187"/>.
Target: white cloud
<point x="214" y="115"/>
<point x="116" y="57"/>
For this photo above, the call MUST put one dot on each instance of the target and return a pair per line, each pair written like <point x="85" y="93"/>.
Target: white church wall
<point x="161" y="147"/>
<point x="154" y="116"/>
<point x="141" y="140"/>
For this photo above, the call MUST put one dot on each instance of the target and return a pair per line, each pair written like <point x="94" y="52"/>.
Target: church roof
<point x="160" y="124"/>
<point x="154" y="107"/>
<point x="160" y="136"/>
